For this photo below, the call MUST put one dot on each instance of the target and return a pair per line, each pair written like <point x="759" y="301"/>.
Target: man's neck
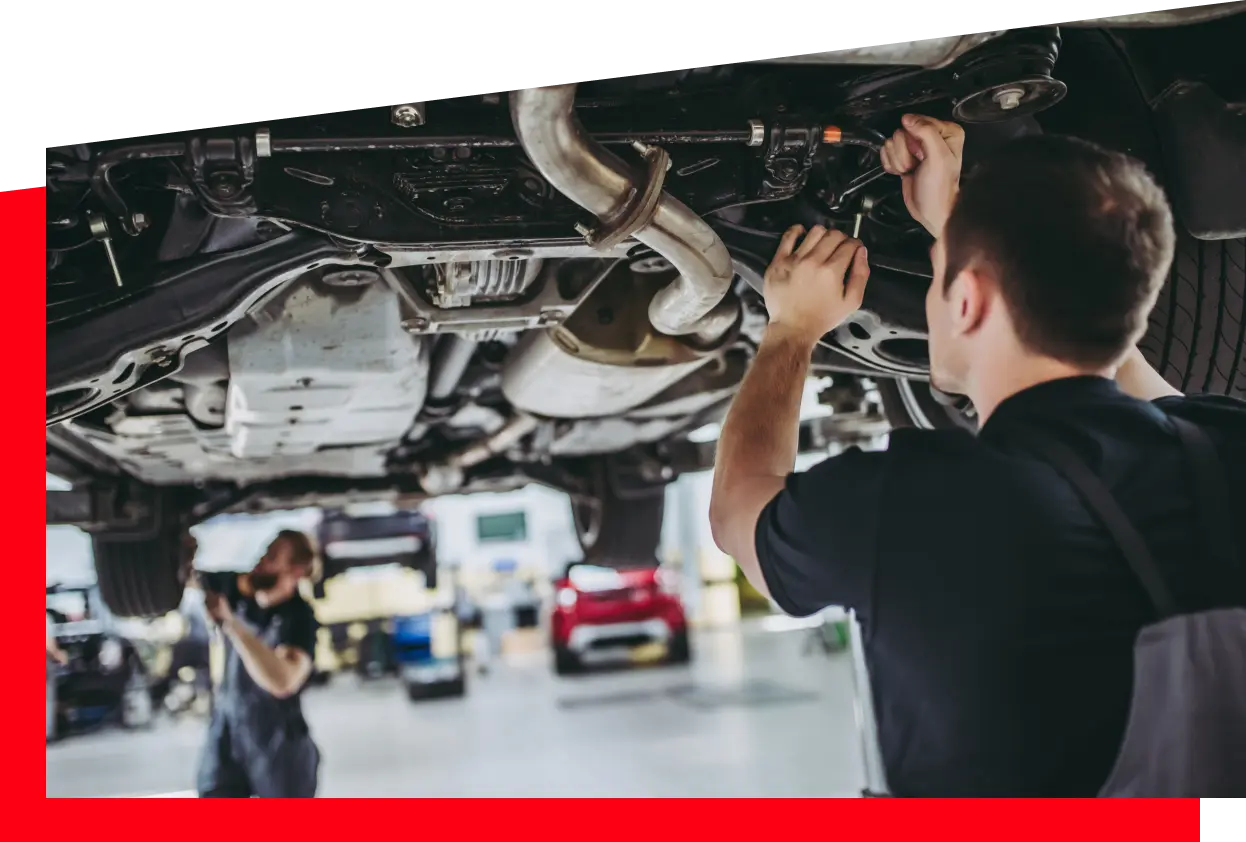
<point x="1001" y="377"/>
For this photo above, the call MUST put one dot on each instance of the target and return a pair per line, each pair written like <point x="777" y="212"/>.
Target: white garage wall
<point x="551" y="538"/>
<point x="69" y="560"/>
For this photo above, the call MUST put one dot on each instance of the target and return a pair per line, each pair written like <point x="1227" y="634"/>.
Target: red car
<point x="600" y="608"/>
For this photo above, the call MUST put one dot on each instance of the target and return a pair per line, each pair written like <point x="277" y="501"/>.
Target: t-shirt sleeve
<point x="300" y="630"/>
<point x="816" y="539"/>
<point x="1215" y="410"/>
<point x="1220" y="415"/>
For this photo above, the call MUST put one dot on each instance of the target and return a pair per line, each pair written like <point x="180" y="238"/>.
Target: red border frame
<point x="22" y="232"/>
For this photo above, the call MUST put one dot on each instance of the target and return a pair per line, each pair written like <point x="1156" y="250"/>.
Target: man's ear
<point x="970" y="296"/>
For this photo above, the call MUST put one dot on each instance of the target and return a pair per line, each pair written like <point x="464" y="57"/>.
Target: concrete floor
<point x="750" y="717"/>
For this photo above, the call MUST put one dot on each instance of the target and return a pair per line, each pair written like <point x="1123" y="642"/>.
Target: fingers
<point x="918" y="138"/>
<point x="828" y="245"/>
<point x="897" y="155"/>
<point x="858" y="275"/>
<point x="842" y="258"/>
<point x="807" y="245"/>
<point x="788" y="242"/>
<point x="932" y="135"/>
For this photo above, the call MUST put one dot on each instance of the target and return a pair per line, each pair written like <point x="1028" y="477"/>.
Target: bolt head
<point x="139" y="221"/>
<point x="407" y="116"/>
<point x="415" y="325"/>
<point x="1009" y="98"/>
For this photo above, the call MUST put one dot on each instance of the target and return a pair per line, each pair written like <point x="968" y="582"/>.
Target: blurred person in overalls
<point x="258" y="742"/>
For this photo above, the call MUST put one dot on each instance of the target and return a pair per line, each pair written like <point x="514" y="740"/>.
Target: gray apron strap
<point x="1211" y="496"/>
<point x="1103" y="505"/>
<point x="1183" y="736"/>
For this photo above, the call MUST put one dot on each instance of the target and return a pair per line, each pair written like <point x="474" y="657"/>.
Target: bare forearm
<point x="761" y="433"/>
<point x="939" y="215"/>
<point x="1137" y="378"/>
<point x="759" y="439"/>
<point x="757" y="447"/>
<point x="268" y="669"/>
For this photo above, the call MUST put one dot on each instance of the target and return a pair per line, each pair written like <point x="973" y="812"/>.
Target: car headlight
<point x="566" y="597"/>
<point x="111" y="656"/>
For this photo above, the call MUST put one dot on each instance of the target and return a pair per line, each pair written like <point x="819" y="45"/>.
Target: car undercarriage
<point x="553" y="285"/>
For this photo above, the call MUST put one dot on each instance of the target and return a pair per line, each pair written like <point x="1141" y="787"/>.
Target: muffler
<point x="601" y="183"/>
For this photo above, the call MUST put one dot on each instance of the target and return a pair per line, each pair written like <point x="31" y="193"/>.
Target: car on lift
<point x="560" y="285"/>
<point x="104" y="678"/>
<point x="618" y="608"/>
<point x="349" y="540"/>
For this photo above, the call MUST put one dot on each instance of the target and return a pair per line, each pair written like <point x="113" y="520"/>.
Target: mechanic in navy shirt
<point x="999" y="617"/>
<point x="258" y="741"/>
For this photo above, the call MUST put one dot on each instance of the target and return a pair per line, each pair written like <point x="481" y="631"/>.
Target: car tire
<point x="615" y="529"/>
<point x="566" y="662"/>
<point x="679" y="649"/>
<point x="1196" y="334"/>
<point x="140" y="575"/>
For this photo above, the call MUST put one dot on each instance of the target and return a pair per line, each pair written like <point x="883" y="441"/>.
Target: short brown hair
<point x="302" y="550"/>
<point x="1078" y="238"/>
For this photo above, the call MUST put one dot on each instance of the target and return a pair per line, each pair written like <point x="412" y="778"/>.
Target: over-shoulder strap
<point x="1211" y="495"/>
<point x="1100" y="501"/>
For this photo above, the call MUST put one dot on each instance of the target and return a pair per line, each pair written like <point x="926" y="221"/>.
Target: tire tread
<point x="139" y="577"/>
<point x="1196" y="335"/>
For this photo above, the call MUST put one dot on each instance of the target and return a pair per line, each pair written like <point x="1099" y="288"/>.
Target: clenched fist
<point x="926" y="154"/>
<point x="812" y="287"/>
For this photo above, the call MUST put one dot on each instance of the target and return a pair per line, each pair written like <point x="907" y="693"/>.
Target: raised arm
<point x="282" y="671"/>
<point x="809" y="289"/>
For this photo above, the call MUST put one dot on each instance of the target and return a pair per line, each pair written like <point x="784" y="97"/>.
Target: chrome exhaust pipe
<point x="601" y="183"/>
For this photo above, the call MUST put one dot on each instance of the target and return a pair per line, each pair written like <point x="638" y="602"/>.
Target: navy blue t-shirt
<point x="999" y="618"/>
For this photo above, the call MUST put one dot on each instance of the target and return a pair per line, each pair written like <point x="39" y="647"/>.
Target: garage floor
<point x="751" y="717"/>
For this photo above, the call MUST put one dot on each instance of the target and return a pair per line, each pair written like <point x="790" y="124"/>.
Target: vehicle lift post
<point x="867" y="725"/>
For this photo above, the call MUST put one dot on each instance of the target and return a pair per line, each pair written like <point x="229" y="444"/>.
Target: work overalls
<point x="258" y="745"/>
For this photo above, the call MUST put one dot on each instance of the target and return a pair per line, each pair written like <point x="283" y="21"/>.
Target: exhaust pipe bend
<point x="601" y="183"/>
